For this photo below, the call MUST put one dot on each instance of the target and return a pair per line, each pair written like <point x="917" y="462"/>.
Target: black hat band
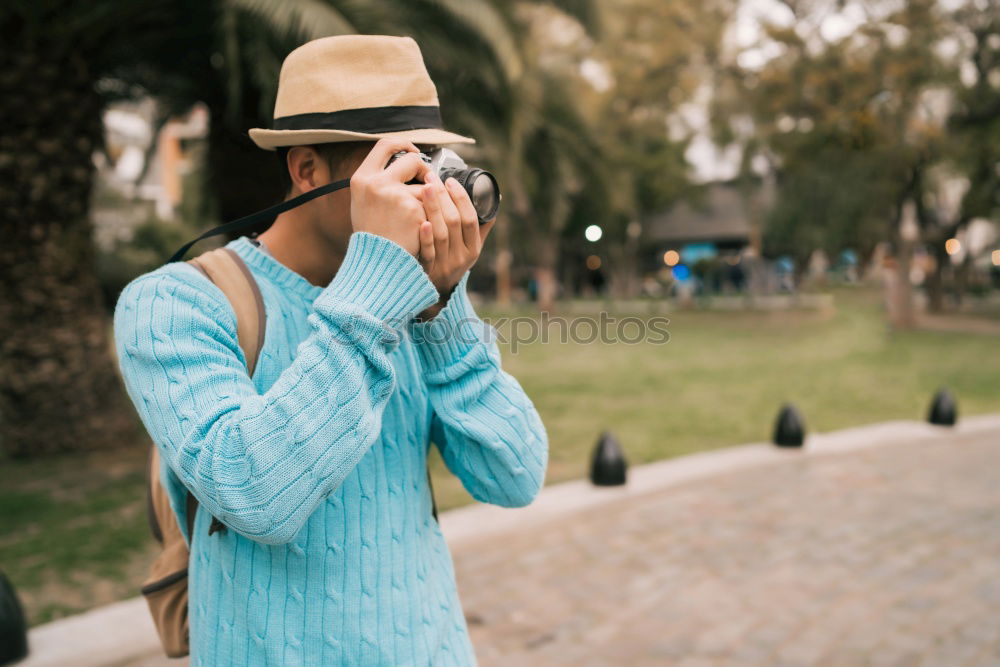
<point x="371" y="120"/>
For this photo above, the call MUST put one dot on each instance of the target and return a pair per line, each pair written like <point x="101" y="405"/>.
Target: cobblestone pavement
<point x="885" y="556"/>
<point x="880" y="556"/>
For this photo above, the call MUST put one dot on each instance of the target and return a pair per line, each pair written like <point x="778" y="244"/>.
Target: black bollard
<point x="790" y="429"/>
<point x="944" y="409"/>
<point x="608" y="466"/>
<point x="13" y="630"/>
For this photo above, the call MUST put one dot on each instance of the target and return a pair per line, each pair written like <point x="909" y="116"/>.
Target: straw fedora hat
<point x="355" y="88"/>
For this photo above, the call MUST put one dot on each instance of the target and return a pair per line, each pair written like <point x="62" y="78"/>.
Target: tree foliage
<point x="854" y="126"/>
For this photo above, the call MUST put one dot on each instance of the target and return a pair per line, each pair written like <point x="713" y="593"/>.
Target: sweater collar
<point x="278" y="273"/>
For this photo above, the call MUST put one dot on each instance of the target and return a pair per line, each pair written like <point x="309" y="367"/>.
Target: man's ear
<point x="304" y="168"/>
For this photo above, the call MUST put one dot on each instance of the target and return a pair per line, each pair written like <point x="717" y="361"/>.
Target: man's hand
<point x="451" y="238"/>
<point x="381" y="202"/>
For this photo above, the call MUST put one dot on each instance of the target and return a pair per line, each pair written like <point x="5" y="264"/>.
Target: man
<point x="317" y="464"/>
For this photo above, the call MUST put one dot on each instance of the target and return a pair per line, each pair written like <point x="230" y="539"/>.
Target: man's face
<point x="334" y="210"/>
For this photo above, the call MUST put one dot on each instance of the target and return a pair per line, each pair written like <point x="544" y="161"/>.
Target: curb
<point x="473" y="522"/>
<point x="123" y="631"/>
<point x="105" y="635"/>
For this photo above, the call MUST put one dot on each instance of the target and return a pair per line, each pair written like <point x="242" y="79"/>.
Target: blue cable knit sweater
<point x="317" y="464"/>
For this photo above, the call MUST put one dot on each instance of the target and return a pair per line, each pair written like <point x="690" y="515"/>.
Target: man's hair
<point x="335" y="154"/>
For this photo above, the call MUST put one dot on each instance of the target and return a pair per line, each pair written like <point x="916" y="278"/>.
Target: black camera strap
<point x="262" y="216"/>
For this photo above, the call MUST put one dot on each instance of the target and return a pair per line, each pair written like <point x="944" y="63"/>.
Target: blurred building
<point x="141" y="173"/>
<point x="723" y="223"/>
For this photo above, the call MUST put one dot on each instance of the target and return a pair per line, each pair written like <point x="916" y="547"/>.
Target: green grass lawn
<point x="74" y="532"/>
<point x="723" y="376"/>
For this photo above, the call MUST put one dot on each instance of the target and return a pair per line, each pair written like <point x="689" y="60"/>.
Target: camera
<point x="480" y="184"/>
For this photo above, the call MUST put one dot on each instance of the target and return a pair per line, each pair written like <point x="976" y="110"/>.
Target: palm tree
<point x="64" y="61"/>
<point x="555" y="163"/>
<point x="58" y="386"/>
<point x="542" y="147"/>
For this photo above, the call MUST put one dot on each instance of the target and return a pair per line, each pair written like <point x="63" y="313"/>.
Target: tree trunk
<point x="545" y="273"/>
<point x="624" y="269"/>
<point x="515" y="209"/>
<point x="962" y="272"/>
<point x="59" y="387"/>
<point x="903" y="311"/>
<point x="935" y="279"/>
<point x="504" y="259"/>
<point x="900" y="290"/>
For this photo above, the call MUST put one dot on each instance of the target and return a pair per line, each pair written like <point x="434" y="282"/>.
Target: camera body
<point x="482" y="186"/>
<point x="444" y="159"/>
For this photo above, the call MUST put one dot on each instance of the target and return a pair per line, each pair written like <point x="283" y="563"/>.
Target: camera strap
<point x="264" y="215"/>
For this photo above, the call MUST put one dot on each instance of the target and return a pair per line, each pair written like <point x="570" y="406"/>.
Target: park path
<point x="873" y="546"/>
<point x="883" y="556"/>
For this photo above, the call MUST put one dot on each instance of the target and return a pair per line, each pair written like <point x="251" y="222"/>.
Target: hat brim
<point x="272" y="139"/>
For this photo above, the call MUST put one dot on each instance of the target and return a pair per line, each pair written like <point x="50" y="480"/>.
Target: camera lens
<point x="482" y="188"/>
<point x="485" y="196"/>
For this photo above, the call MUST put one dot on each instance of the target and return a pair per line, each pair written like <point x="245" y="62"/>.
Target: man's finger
<point x="484" y="230"/>
<point x="416" y="189"/>
<point x="427" y="254"/>
<point x="452" y="216"/>
<point x="432" y="207"/>
<point x="381" y="152"/>
<point x="467" y="212"/>
<point x="407" y="167"/>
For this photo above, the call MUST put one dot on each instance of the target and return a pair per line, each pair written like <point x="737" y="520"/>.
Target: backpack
<point x="166" y="587"/>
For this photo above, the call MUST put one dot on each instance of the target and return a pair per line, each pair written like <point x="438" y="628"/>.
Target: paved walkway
<point x="878" y="545"/>
<point x="888" y="556"/>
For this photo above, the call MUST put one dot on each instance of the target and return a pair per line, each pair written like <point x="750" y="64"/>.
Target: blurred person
<point x="317" y="464"/>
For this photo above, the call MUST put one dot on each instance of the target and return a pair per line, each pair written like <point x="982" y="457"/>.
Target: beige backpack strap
<point x="166" y="588"/>
<point x="226" y="269"/>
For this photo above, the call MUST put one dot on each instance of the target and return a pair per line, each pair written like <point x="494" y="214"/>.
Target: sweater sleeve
<point x="262" y="463"/>
<point x="487" y="429"/>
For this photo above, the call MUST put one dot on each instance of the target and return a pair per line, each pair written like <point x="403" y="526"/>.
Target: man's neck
<point x="300" y="248"/>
